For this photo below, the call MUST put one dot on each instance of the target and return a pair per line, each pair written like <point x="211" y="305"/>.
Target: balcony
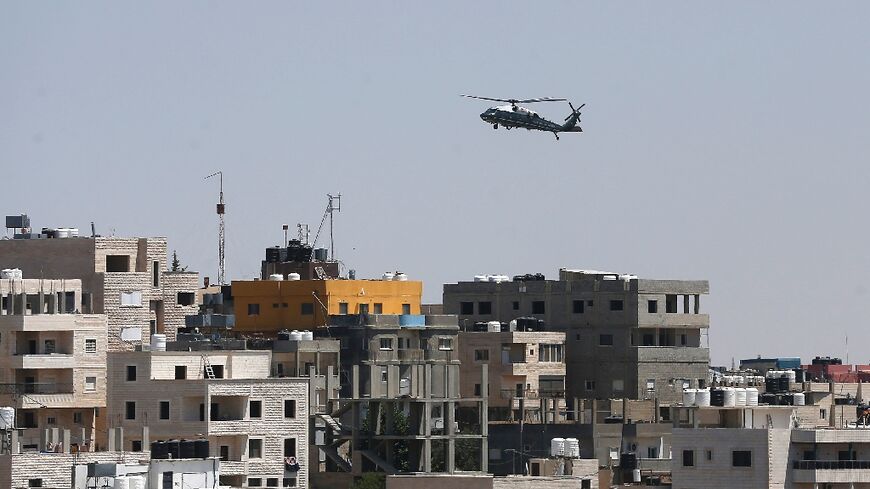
<point x="830" y="436"/>
<point x="412" y="355"/>
<point x="36" y="388"/>
<point x="831" y="471"/>
<point x="37" y="395"/>
<point x="673" y="320"/>
<point x="672" y="354"/>
<point x="43" y="361"/>
<point x="441" y="355"/>
<point x="532" y="394"/>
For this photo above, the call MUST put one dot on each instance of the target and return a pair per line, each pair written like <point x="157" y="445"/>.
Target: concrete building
<point x="625" y="337"/>
<point x="526" y="373"/>
<point x="124" y="278"/>
<point x="256" y="423"/>
<point x="52" y="361"/>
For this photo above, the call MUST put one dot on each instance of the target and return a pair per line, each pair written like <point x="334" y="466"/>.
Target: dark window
<point x="289" y="408"/>
<point x="217" y="370"/>
<point x="466" y="308"/>
<point x="605" y="339"/>
<point x="538" y="307"/>
<point x="379" y="308"/>
<point x="477" y="389"/>
<point x="289" y="447"/>
<point x="155" y="271"/>
<point x="130" y="409"/>
<point x="652" y="307"/>
<point x="275" y="305"/>
<point x="117" y="263"/>
<point x="648" y="339"/>
<point x="515" y="305"/>
<point x="255" y="448"/>
<point x="342" y="307"/>
<point x="809" y="455"/>
<point x="131" y="373"/>
<point x="616" y="305"/>
<point x="253" y="309"/>
<point x="307" y="308"/>
<point x="272" y="482"/>
<point x="164" y="409"/>
<point x="34" y="482"/>
<point x="578" y="307"/>
<point x="741" y="458"/>
<point x="29" y="420"/>
<point x="180" y="372"/>
<point x="406" y="308"/>
<point x="289" y="482"/>
<point x="256" y="409"/>
<point x="255" y="482"/>
<point x="709" y="455"/>
<point x="186" y="298"/>
<point x="167" y="480"/>
<point x="136" y="445"/>
<point x="688" y="458"/>
<point x="671" y="303"/>
<point x="225" y="453"/>
<point x="481" y="355"/>
<point x="484" y="307"/>
<point x="363" y="308"/>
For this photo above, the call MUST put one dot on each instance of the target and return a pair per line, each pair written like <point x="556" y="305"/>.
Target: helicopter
<point x="509" y="116"/>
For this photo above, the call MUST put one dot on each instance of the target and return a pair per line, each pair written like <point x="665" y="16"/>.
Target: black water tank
<point x="158" y="450"/>
<point x="200" y="448"/>
<point x="173" y="449"/>
<point x="783" y="384"/>
<point x="717" y="397"/>
<point x="628" y="461"/>
<point x="768" y="398"/>
<point x="187" y="449"/>
<point x="771" y="385"/>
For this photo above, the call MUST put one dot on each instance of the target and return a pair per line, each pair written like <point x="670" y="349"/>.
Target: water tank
<point x="159" y="450"/>
<point x="717" y="397"/>
<point x="751" y="396"/>
<point x="136" y="481"/>
<point x="187" y="449"/>
<point x="498" y="278"/>
<point x="276" y="277"/>
<point x="7" y="418"/>
<point x="572" y="447"/>
<point x="307" y="335"/>
<point x="512" y="325"/>
<point x="689" y="397"/>
<point x="200" y="448"/>
<point x="702" y="397"/>
<point x="730" y="397"/>
<point x="173" y="449"/>
<point x="14" y="273"/>
<point x="480" y="278"/>
<point x="293" y="276"/>
<point x="740" y="396"/>
<point x="295" y="335"/>
<point x="792" y="376"/>
<point x="61" y="233"/>
<point x="400" y="277"/>
<point x="321" y="254"/>
<point x="493" y="326"/>
<point x="799" y="399"/>
<point x="783" y="383"/>
<point x="73" y="232"/>
<point x="158" y="342"/>
<point x="635" y="475"/>
<point x="121" y="483"/>
<point x="387" y="276"/>
<point x="557" y="447"/>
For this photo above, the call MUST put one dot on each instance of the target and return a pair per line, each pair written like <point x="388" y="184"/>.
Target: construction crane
<point x="221" y="210"/>
<point x="333" y="205"/>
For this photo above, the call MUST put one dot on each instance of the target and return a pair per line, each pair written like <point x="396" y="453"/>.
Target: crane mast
<point x="221" y="210"/>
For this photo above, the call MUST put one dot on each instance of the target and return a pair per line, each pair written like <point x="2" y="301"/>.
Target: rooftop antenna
<point x="303" y="232"/>
<point x="221" y="210"/>
<point x="285" y="227"/>
<point x="334" y="205"/>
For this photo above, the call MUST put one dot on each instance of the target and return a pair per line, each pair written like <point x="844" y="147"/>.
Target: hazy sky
<point x="726" y="142"/>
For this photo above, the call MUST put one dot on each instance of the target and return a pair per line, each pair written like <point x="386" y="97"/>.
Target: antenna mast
<point x="333" y="206"/>
<point x="221" y="210"/>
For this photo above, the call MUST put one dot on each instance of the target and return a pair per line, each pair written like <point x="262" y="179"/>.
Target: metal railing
<point x="830" y="464"/>
<point x="37" y="388"/>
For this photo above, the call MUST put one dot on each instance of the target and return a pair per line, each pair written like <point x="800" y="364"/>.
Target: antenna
<point x="303" y="232"/>
<point x="333" y="206"/>
<point x="221" y="210"/>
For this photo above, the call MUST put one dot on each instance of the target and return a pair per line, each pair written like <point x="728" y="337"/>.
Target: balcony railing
<point x="413" y="355"/>
<point x="532" y="394"/>
<point x="830" y="464"/>
<point x="37" y="388"/>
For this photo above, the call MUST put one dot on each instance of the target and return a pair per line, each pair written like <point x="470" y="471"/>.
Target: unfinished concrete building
<point x="626" y="337"/>
<point x="402" y="410"/>
<point x="127" y="279"/>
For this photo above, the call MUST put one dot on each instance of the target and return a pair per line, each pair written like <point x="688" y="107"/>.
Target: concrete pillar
<point x="82" y="435"/>
<point x="16" y="446"/>
<point x="427" y="455"/>
<point x="119" y="439"/>
<point x="40" y="302"/>
<point x="354" y="379"/>
<point x="146" y="439"/>
<point x="697" y="304"/>
<point x="686" y="304"/>
<point x="66" y="441"/>
<point x="112" y="435"/>
<point x="484" y="418"/>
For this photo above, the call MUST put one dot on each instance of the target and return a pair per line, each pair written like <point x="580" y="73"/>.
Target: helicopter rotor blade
<point x="515" y="101"/>
<point x="490" y="98"/>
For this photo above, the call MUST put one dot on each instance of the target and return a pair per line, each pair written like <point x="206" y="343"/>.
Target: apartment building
<point x="625" y="336"/>
<point x="256" y="423"/>
<point x="52" y="360"/>
<point x="126" y="279"/>
<point x="526" y="373"/>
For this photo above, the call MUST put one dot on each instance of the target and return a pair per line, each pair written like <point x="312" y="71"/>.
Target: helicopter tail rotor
<point x="574" y="112"/>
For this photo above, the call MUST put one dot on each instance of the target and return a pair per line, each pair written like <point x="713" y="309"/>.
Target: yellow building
<point x="273" y="305"/>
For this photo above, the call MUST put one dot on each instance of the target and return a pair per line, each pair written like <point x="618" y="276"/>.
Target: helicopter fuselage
<point x="509" y="116"/>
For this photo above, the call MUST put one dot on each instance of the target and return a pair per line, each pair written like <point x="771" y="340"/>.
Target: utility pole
<point x="221" y="210"/>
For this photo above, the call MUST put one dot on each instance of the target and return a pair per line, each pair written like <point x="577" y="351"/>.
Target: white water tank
<point x="400" y="277"/>
<point x="122" y="483"/>
<point x="751" y="396"/>
<point x="276" y="277"/>
<point x="729" y="397"/>
<point x="702" y="397"/>
<point x="792" y="376"/>
<point x="689" y="396"/>
<point x="387" y="276"/>
<point x="572" y="447"/>
<point x="158" y="342"/>
<point x="799" y="399"/>
<point x="307" y="335"/>
<point x="635" y="475"/>
<point x="7" y="418"/>
<point x="740" y="396"/>
<point x="14" y="273"/>
<point x="293" y="276"/>
<point x="295" y="335"/>
<point x="493" y="326"/>
<point x="480" y="278"/>
<point x="557" y="447"/>
<point x="61" y="233"/>
<point x="137" y="482"/>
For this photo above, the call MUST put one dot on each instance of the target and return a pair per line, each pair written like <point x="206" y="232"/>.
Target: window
<point x="406" y="308"/>
<point x="379" y="308"/>
<point x="289" y="408"/>
<point x="253" y="309"/>
<point x="823" y="413"/>
<point x="217" y="370"/>
<point x="131" y="373"/>
<point x="466" y="308"/>
<point x="538" y="307"/>
<point x="186" y="298"/>
<point x="481" y="355"/>
<point x="272" y="482"/>
<point x="688" y="458"/>
<point x="708" y="454"/>
<point x="683" y="339"/>
<point x="652" y="307"/>
<point x="605" y="340"/>
<point x="90" y="384"/>
<point x="289" y="447"/>
<point x="77" y="417"/>
<point x="386" y="343"/>
<point x="51" y="420"/>
<point x="307" y="308"/>
<point x="445" y="343"/>
<point x="130" y="410"/>
<point x="224" y="453"/>
<point x="590" y="385"/>
<point x="50" y="347"/>
<point x="136" y="445"/>
<point x="363" y="308"/>
<point x="342" y="307"/>
<point x="34" y="482"/>
<point x="255" y="450"/>
<point x="131" y="299"/>
<point x="155" y="274"/>
<point x="616" y="305"/>
<point x="289" y="482"/>
<point x="180" y="372"/>
<point x="741" y="458"/>
<point x="550" y="353"/>
<point x="670" y="303"/>
<point x="578" y="307"/>
<point x="117" y="263"/>
<point x="515" y="305"/>
<point x="650" y="384"/>
<point x="275" y="305"/>
<point x="164" y="409"/>
<point x="484" y="307"/>
<point x="255" y="481"/>
<point x="255" y="409"/>
<point x="384" y="374"/>
<point x="652" y="452"/>
<point x="477" y="390"/>
<point x="618" y="385"/>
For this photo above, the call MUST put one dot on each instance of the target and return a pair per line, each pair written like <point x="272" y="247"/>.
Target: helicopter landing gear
<point x="495" y="126"/>
<point x="557" y="135"/>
